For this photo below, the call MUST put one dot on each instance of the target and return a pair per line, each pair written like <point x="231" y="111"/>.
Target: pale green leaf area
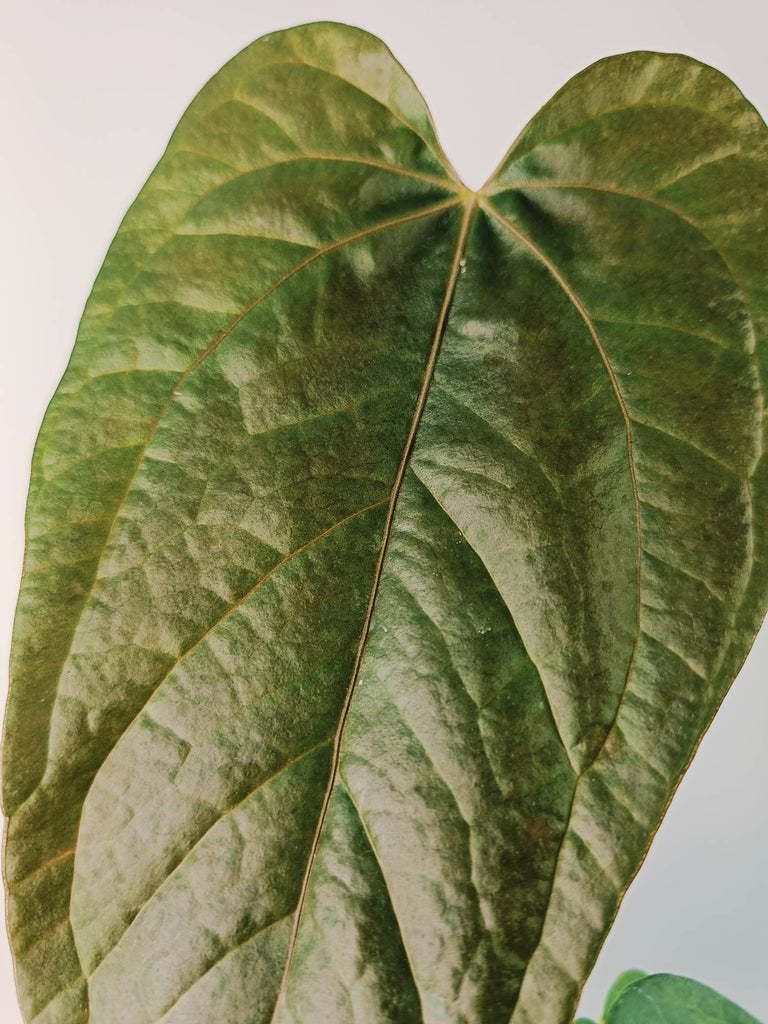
<point x="389" y="548"/>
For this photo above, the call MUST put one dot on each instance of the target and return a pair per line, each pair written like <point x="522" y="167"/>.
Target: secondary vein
<point x="332" y="247"/>
<point x="578" y="305"/>
<point x="555" y="273"/>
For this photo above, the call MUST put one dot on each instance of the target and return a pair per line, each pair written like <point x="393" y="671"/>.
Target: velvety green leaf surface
<point x="668" y="999"/>
<point x="638" y="196"/>
<point x="389" y="548"/>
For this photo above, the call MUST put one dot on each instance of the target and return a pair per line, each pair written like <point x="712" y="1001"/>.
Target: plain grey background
<point x="90" y="93"/>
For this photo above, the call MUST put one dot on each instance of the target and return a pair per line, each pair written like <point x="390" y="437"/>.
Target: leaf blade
<point x="559" y="603"/>
<point x="674" y="1000"/>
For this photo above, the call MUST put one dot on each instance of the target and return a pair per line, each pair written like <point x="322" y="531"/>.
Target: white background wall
<point x="90" y="92"/>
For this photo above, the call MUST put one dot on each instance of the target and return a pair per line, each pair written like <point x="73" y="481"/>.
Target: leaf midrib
<point x="469" y="209"/>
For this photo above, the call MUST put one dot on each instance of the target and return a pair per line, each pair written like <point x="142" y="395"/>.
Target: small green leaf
<point x="669" y="999"/>
<point x="623" y="981"/>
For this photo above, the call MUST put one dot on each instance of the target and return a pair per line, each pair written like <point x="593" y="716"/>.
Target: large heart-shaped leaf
<point x="390" y="547"/>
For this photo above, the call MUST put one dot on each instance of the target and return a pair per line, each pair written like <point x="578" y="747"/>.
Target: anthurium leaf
<point x="389" y="547"/>
<point x="669" y="999"/>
